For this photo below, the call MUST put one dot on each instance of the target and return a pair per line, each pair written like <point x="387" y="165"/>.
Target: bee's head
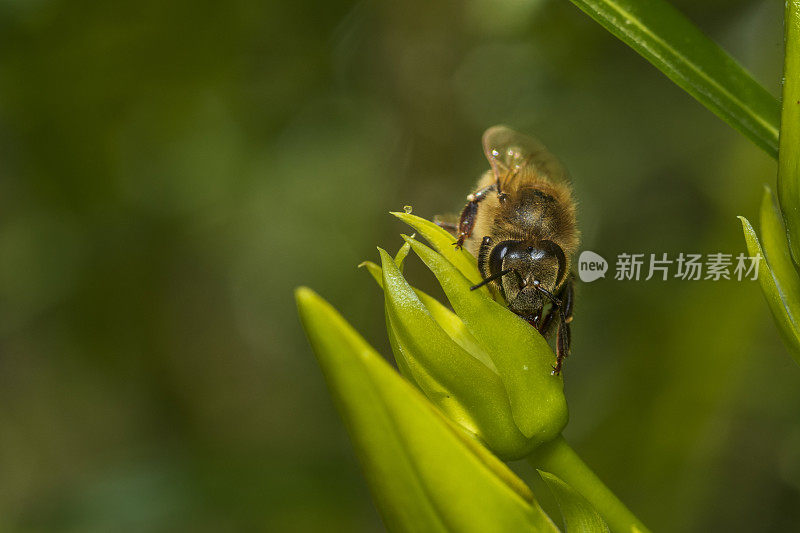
<point x="525" y="265"/>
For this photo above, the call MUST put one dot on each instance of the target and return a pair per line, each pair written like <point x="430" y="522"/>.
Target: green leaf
<point x="789" y="155"/>
<point x="401" y="255"/>
<point x="424" y="472"/>
<point x="521" y="355"/>
<point x="578" y="514"/>
<point x="374" y="271"/>
<point x="777" y="275"/>
<point x="666" y="38"/>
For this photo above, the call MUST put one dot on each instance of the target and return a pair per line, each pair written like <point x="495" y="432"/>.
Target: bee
<point x="520" y="223"/>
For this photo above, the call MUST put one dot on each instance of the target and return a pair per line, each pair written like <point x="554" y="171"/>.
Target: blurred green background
<point x="171" y="171"/>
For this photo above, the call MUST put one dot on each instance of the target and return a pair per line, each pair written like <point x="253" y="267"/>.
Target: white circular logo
<point x="591" y="266"/>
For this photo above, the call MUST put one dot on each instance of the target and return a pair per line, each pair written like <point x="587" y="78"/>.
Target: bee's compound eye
<point x="498" y="254"/>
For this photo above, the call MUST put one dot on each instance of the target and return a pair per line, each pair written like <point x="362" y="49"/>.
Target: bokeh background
<point x="170" y="171"/>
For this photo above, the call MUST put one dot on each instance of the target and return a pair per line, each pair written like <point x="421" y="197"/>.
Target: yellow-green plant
<point x="475" y="385"/>
<point x="779" y="242"/>
<point x="433" y="460"/>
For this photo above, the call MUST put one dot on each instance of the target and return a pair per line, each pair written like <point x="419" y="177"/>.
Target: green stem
<point x="789" y="152"/>
<point x="558" y="458"/>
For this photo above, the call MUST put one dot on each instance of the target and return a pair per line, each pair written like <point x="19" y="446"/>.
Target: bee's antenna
<point x="490" y="279"/>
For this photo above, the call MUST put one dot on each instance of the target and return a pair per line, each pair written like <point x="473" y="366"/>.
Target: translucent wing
<point x="511" y="153"/>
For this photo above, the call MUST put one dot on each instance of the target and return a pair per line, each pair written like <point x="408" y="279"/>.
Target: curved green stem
<point x="789" y="153"/>
<point x="558" y="458"/>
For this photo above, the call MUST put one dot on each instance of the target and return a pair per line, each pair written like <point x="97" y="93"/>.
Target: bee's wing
<point x="511" y="153"/>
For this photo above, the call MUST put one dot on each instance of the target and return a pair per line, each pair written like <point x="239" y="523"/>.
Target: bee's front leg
<point x="564" y="335"/>
<point x="470" y="212"/>
<point x="544" y="325"/>
<point x="563" y="341"/>
<point x="566" y="295"/>
<point x="561" y="304"/>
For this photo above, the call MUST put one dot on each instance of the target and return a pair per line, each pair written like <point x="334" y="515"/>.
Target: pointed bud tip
<point x="405" y="217"/>
<point x="303" y="295"/>
<point x="747" y="228"/>
<point x="307" y="300"/>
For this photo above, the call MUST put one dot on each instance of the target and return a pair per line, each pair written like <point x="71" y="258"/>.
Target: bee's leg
<point x="470" y="212"/>
<point x="563" y="306"/>
<point x="564" y="336"/>
<point x="544" y="326"/>
<point x="563" y="340"/>
<point x="567" y="297"/>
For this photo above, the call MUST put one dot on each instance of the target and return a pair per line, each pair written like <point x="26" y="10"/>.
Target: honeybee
<point x="520" y="223"/>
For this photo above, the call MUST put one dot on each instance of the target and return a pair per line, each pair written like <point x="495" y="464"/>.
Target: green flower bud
<point x="483" y="365"/>
<point x="479" y="375"/>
